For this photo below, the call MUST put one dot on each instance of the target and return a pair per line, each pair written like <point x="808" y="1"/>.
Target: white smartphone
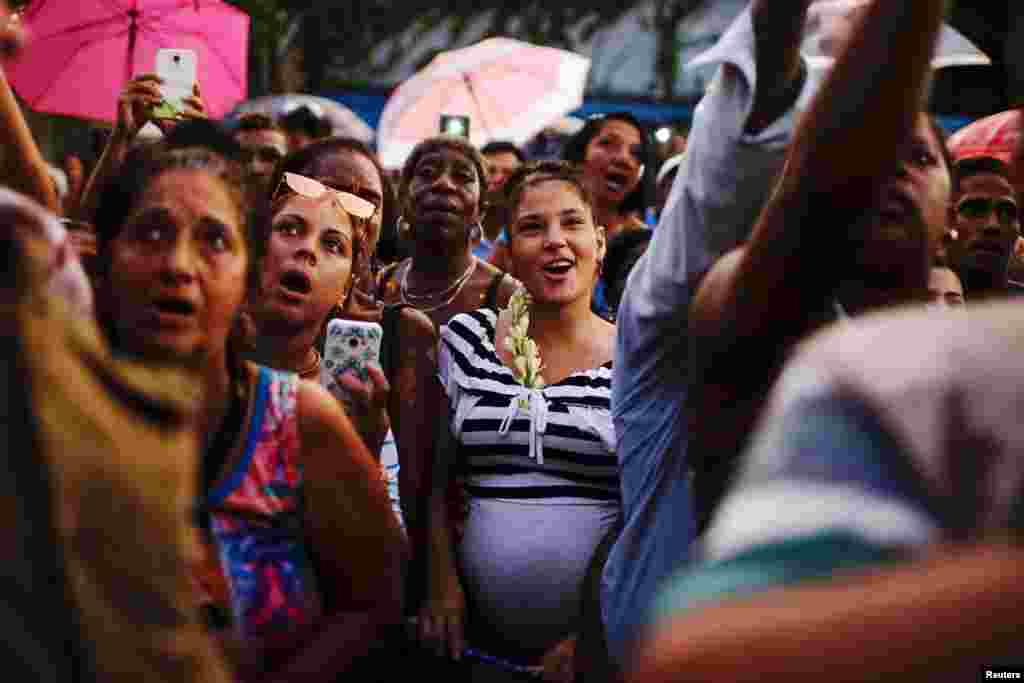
<point x="350" y="347"/>
<point x="178" y="70"/>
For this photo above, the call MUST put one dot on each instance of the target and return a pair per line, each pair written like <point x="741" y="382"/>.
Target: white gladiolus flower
<point x="525" y="353"/>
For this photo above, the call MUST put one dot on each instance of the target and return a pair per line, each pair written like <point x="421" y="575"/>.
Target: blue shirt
<point x="715" y="200"/>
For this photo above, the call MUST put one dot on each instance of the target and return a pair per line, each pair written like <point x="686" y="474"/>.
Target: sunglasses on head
<point x="314" y="189"/>
<point x="977" y="208"/>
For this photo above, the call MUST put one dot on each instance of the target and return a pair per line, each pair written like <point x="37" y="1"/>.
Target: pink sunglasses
<point x="314" y="189"/>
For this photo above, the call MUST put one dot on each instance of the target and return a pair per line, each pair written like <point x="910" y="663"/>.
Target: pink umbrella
<point x="81" y="53"/>
<point x="510" y="90"/>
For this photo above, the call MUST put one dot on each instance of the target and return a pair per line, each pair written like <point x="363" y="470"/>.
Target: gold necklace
<point x="424" y="302"/>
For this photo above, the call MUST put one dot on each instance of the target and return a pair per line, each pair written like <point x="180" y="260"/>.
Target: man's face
<point x="263" y="149"/>
<point x="986" y="218"/>
<point x="500" y="165"/>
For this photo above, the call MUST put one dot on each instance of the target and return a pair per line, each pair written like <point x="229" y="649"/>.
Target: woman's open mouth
<point x="173" y="311"/>
<point x="616" y="182"/>
<point x="558" y="267"/>
<point x="296" y="283"/>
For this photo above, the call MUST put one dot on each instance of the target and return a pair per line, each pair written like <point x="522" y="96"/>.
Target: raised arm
<point x="134" y="109"/>
<point x="740" y="132"/>
<point x="133" y="104"/>
<point x="24" y="167"/>
<point x="778" y="28"/>
<point x="845" y="149"/>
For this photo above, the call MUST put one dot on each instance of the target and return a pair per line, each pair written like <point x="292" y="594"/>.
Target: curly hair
<point x="460" y="145"/>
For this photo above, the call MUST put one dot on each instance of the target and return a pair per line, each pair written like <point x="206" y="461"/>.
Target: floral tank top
<point x="257" y="578"/>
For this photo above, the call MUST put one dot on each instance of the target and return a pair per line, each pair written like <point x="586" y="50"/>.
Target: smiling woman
<point x="618" y="162"/>
<point x="278" y="454"/>
<point x="542" y="478"/>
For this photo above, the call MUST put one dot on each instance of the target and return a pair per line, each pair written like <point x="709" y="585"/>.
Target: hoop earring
<point x="403" y="227"/>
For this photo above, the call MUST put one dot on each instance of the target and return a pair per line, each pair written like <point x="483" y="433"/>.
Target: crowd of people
<point x="750" y="411"/>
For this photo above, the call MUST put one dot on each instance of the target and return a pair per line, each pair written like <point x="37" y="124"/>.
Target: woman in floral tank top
<point x="288" y="489"/>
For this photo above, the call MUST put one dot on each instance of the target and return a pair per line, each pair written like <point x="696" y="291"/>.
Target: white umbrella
<point x="342" y="119"/>
<point x="510" y="90"/>
<point x="829" y="23"/>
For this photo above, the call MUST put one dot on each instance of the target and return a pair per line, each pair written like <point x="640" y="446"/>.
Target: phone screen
<point x="455" y="125"/>
<point x="177" y="68"/>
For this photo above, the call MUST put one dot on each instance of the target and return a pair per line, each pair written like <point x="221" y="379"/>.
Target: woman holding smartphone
<point x="287" y="488"/>
<point x="538" y="455"/>
<point x="309" y="252"/>
<point x="409" y="342"/>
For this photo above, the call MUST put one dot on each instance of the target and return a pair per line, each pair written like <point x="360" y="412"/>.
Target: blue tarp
<point x="369" y="105"/>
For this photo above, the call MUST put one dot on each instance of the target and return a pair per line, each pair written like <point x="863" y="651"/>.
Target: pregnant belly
<point x="522" y="563"/>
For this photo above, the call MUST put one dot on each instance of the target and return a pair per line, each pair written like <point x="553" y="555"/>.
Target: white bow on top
<point x="533" y="402"/>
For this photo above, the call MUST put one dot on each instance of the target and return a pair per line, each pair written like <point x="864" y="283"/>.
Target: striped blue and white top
<point x="556" y="442"/>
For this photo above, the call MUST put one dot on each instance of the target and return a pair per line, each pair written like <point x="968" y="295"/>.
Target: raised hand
<point x="135" y="105"/>
<point x="366" y="404"/>
<point x="194" y="108"/>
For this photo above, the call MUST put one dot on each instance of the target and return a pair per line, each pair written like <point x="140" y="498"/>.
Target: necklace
<point x="427" y="302"/>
